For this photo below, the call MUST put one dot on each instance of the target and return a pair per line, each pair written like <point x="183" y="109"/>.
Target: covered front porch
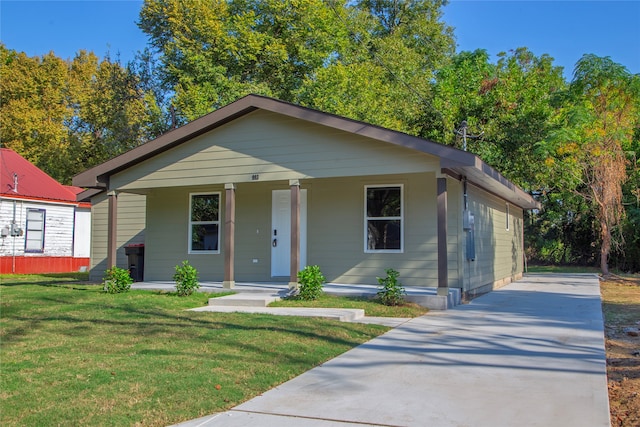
<point x="265" y="232"/>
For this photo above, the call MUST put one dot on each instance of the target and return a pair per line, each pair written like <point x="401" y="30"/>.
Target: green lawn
<point x="561" y="269"/>
<point x="370" y="306"/>
<point x="73" y="355"/>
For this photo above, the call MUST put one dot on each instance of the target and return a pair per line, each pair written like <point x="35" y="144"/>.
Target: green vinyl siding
<point x="168" y="229"/>
<point x="499" y="255"/>
<point x="130" y="229"/>
<point x="336" y="231"/>
<point x="266" y="146"/>
<point x="168" y="235"/>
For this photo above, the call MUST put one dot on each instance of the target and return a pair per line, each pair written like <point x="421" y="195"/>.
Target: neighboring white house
<point x="43" y="229"/>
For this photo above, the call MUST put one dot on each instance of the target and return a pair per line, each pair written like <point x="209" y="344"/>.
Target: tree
<point x="34" y="107"/>
<point x="384" y="74"/>
<point x="214" y="52"/>
<point x="365" y="60"/>
<point x="509" y="102"/>
<point x="597" y="121"/>
<point x="66" y="116"/>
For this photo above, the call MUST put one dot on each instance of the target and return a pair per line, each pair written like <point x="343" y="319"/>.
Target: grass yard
<point x="73" y="355"/>
<point x="371" y="307"/>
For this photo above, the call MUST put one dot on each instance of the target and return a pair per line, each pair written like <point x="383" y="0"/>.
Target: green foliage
<point x="186" y="278"/>
<point x="562" y="233"/>
<point x="367" y="60"/>
<point x="587" y="154"/>
<point x="391" y="292"/>
<point x="117" y="280"/>
<point x="310" y="280"/>
<point x="65" y="116"/>
<point x="508" y="102"/>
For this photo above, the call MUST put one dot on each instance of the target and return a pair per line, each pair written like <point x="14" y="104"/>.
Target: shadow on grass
<point x="84" y="320"/>
<point x="48" y="279"/>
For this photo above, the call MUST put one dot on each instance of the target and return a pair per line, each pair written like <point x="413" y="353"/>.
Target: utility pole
<point x="462" y="131"/>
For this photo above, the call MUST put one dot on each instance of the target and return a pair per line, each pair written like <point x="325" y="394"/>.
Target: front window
<point x="34" y="239"/>
<point x="383" y="218"/>
<point x="204" y="223"/>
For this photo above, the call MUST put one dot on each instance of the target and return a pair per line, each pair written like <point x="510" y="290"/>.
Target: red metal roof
<point x="21" y="179"/>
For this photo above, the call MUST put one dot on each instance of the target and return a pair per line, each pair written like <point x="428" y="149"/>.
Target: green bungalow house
<point x="260" y="188"/>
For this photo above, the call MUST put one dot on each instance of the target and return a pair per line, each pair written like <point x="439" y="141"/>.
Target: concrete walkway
<point x="529" y="354"/>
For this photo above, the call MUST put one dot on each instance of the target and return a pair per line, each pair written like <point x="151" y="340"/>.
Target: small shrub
<point x="392" y="291"/>
<point x="186" y="279"/>
<point x="117" y="280"/>
<point x="311" y="280"/>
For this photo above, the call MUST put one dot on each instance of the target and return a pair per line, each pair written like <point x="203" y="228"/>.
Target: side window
<point x="34" y="239"/>
<point x="383" y="218"/>
<point x="204" y="223"/>
<point x="508" y="217"/>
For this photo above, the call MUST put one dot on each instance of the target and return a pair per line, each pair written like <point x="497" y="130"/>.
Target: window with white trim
<point x="34" y="238"/>
<point x="204" y="223"/>
<point x="383" y="218"/>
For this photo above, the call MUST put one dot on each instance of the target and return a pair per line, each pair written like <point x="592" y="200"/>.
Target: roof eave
<point x="484" y="176"/>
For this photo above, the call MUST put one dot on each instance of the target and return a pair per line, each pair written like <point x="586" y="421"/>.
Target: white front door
<point x="281" y="232"/>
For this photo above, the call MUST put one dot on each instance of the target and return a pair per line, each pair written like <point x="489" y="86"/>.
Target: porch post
<point x="443" y="264"/>
<point x="295" y="233"/>
<point x="112" y="229"/>
<point x="229" y="235"/>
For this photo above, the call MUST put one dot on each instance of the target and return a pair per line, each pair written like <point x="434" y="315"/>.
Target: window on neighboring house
<point x="204" y="223"/>
<point x="34" y="238"/>
<point x="383" y="218"/>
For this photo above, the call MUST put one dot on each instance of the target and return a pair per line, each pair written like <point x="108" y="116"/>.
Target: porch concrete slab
<point x="529" y="354"/>
<point x="425" y="296"/>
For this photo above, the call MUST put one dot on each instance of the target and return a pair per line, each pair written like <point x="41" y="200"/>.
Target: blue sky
<point x="563" y="29"/>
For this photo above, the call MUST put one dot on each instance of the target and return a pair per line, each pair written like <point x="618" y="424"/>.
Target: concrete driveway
<point x="529" y="354"/>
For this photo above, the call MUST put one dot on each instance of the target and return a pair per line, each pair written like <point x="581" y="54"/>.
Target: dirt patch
<point x="621" y="308"/>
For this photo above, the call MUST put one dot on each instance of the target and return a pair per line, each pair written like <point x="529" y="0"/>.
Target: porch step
<point x="341" y="314"/>
<point x="437" y="302"/>
<point x="253" y="299"/>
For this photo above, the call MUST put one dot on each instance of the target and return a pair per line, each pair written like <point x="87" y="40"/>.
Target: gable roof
<point x="20" y="179"/>
<point x="454" y="162"/>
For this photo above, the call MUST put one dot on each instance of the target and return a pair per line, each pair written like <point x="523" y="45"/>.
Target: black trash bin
<point x="135" y="254"/>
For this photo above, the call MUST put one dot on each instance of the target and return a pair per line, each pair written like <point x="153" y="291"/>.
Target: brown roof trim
<point x="86" y="195"/>
<point x="450" y="158"/>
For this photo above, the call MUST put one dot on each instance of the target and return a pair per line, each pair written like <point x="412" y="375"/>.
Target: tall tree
<point x="384" y="75"/>
<point x="508" y="102"/>
<point x="588" y="151"/>
<point x="359" y="59"/>
<point x="216" y="51"/>
<point x="33" y="105"/>
<point x="65" y="116"/>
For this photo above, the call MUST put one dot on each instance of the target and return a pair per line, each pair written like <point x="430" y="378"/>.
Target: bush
<point x="311" y="280"/>
<point x="117" y="280"/>
<point x="186" y="279"/>
<point x="392" y="291"/>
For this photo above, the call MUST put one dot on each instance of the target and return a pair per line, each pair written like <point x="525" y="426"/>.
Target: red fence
<point x="40" y="264"/>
